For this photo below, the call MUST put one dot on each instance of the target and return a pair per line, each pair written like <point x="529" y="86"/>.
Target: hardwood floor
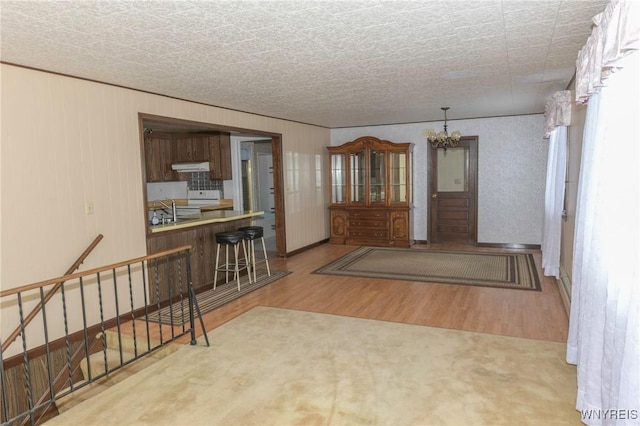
<point x="517" y="313"/>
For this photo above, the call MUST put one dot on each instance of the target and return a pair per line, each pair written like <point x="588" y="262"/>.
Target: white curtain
<point x="604" y="327"/>
<point x="554" y="201"/>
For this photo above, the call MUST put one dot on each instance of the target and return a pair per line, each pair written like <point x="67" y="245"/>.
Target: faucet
<point x="172" y="207"/>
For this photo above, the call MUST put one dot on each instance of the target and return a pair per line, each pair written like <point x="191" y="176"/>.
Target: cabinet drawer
<point x="367" y="223"/>
<point x="368" y="214"/>
<point x="376" y="234"/>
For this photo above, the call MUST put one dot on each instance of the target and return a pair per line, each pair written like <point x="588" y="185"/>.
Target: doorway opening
<point x="258" y="191"/>
<point x="233" y="188"/>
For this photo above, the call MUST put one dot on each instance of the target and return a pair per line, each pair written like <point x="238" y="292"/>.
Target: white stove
<point x="196" y="199"/>
<point x="205" y="197"/>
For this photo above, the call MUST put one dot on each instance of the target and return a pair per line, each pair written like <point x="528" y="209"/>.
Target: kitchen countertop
<point x="206" y="217"/>
<point x="225" y="203"/>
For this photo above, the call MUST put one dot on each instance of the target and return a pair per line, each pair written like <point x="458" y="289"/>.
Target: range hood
<point x="191" y="167"/>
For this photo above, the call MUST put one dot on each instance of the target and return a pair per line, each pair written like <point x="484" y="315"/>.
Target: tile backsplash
<point x="201" y="180"/>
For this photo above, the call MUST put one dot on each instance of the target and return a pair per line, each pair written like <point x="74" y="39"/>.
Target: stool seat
<point x="229" y="238"/>
<point x="252" y="232"/>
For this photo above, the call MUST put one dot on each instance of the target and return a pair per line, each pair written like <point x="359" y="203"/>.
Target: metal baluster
<point x="146" y="301"/>
<point x="192" y="299"/>
<point x="115" y="296"/>
<point x="46" y="343"/>
<point x="67" y="341"/>
<point x="157" y="288"/>
<point x="133" y="317"/>
<point x="170" y="288"/>
<point x="103" y="335"/>
<point x="25" y="360"/>
<point x="180" y="290"/>
<point x="193" y="302"/>
<point x="3" y="382"/>
<point x="85" y="331"/>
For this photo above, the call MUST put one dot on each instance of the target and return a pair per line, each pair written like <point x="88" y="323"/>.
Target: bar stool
<point x="231" y="239"/>
<point x="251" y="234"/>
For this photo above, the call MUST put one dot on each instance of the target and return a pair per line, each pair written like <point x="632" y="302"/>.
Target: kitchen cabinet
<point x="220" y="156"/>
<point x="160" y="153"/>
<point x="163" y="149"/>
<point x="370" y="192"/>
<point x="192" y="148"/>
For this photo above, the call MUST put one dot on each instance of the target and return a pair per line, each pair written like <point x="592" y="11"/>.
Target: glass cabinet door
<point x="356" y="161"/>
<point x="376" y="176"/>
<point x="398" y="174"/>
<point x="338" y="178"/>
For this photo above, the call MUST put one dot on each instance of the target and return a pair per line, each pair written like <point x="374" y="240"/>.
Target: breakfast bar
<point x="205" y="218"/>
<point x="197" y="231"/>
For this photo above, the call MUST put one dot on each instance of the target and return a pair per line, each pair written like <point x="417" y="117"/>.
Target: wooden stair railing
<point x="14" y="335"/>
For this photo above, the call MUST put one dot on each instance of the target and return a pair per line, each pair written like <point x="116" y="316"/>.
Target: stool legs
<point x="253" y="259"/>
<point x="236" y="267"/>
<point x="247" y="263"/>
<point x="266" y="259"/>
<point x="215" y="271"/>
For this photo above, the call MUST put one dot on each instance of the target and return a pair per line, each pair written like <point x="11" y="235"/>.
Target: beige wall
<point x="67" y="141"/>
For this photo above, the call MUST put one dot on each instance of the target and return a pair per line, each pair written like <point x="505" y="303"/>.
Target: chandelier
<point x="442" y="139"/>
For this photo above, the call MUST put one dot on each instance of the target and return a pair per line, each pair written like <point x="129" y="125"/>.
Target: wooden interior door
<point x="453" y="212"/>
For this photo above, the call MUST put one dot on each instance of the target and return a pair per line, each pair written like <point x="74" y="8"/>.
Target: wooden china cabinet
<point x="371" y="193"/>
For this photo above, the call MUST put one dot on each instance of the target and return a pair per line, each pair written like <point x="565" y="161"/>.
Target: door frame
<point x="176" y="124"/>
<point x="472" y="143"/>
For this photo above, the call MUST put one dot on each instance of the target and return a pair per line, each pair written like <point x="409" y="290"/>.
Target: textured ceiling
<point x="330" y="63"/>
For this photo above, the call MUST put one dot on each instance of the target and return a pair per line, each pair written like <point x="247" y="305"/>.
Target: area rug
<point x="208" y="300"/>
<point x="273" y="366"/>
<point x="503" y="270"/>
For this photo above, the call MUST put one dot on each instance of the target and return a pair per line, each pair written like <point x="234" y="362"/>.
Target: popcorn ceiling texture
<point x="329" y="63"/>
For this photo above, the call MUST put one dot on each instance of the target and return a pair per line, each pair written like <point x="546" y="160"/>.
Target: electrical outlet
<point x="88" y="207"/>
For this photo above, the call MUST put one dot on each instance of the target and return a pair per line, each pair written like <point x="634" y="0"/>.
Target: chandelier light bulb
<point x="442" y="139"/>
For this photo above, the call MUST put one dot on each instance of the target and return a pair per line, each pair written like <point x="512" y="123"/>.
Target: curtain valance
<point x="612" y="38"/>
<point x="557" y="111"/>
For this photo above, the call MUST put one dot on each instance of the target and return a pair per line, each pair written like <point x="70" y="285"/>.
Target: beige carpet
<point x="502" y="270"/>
<point x="275" y="366"/>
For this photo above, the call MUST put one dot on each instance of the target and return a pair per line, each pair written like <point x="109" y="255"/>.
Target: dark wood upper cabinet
<point x="220" y="156"/>
<point x="161" y="150"/>
<point x="160" y="153"/>
<point x="194" y="148"/>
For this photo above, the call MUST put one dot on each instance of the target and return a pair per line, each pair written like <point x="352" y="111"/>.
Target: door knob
<point x="434" y="195"/>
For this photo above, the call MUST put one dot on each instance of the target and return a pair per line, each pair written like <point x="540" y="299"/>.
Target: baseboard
<point x="510" y="246"/>
<point x="305" y="248"/>
<point x="564" y="285"/>
<point x="494" y="245"/>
